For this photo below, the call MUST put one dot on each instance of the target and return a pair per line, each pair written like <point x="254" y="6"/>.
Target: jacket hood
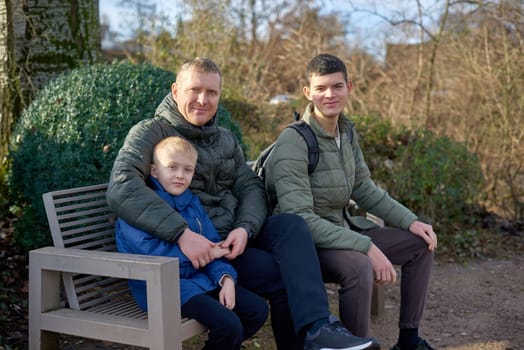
<point x="168" y="110"/>
<point x="179" y="202"/>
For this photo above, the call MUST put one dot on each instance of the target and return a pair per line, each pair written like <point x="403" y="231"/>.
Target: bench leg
<point x="377" y="300"/>
<point x="44" y="294"/>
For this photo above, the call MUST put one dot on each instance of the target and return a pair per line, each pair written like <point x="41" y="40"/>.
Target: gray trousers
<point x="352" y="271"/>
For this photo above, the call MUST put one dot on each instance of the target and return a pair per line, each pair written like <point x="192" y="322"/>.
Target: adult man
<point x="280" y="264"/>
<point x="351" y="250"/>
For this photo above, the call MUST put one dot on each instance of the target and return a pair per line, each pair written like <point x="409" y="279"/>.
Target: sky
<point x="367" y="28"/>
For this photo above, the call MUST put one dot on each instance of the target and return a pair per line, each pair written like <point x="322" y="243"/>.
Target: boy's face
<point x="329" y="94"/>
<point x="174" y="171"/>
<point x="197" y="95"/>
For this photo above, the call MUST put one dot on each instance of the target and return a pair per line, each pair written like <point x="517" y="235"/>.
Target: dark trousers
<point x="227" y="328"/>
<point x="281" y="265"/>
<point x="353" y="272"/>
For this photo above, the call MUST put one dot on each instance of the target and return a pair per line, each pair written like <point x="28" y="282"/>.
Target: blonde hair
<point x="174" y="144"/>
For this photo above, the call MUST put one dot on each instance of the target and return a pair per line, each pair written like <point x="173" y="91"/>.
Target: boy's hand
<point x="425" y="231"/>
<point x="237" y="241"/>
<point x="382" y="268"/>
<point x="227" y="293"/>
<point x="217" y="251"/>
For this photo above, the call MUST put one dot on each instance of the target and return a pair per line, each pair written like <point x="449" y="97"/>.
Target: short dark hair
<point x="201" y="65"/>
<point x="325" y="64"/>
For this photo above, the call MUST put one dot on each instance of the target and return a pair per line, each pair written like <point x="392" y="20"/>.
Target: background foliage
<point x="71" y="133"/>
<point x="447" y="92"/>
<point x="437" y="178"/>
<point x="452" y="68"/>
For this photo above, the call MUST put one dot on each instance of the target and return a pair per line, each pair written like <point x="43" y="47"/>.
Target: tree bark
<point x="39" y="40"/>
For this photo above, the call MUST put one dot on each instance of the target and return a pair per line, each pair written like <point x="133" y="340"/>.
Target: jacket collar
<point x="179" y="202"/>
<point x="344" y="123"/>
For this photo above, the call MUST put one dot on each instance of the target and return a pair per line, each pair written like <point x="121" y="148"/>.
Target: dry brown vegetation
<point x="466" y="79"/>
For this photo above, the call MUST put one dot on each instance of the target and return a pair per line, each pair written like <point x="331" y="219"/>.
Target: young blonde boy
<point x="208" y="294"/>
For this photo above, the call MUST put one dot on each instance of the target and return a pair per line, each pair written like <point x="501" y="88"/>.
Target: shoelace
<point x="337" y="327"/>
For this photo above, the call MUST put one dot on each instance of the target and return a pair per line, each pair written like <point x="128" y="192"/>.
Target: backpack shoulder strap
<point x="311" y="141"/>
<point x="350" y="135"/>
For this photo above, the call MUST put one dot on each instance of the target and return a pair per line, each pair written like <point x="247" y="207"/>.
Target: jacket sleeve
<point x="287" y="176"/>
<point x="252" y="200"/>
<point x="218" y="268"/>
<point x="375" y="200"/>
<point x="127" y="194"/>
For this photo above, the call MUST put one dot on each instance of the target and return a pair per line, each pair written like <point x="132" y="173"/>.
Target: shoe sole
<point x="367" y="346"/>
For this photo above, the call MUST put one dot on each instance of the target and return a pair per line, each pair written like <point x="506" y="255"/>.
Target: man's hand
<point x="236" y="241"/>
<point x="425" y="231"/>
<point x="382" y="267"/>
<point x="196" y="247"/>
<point x="227" y="293"/>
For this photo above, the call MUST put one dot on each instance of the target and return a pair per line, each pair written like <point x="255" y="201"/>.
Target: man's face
<point x="174" y="171"/>
<point x="197" y="95"/>
<point x="329" y="94"/>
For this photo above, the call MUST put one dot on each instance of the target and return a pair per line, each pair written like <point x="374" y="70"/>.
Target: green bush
<point x="437" y="178"/>
<point x="72" y="131"/>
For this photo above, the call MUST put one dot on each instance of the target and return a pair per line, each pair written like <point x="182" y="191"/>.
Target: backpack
<point x="304" y="130"/>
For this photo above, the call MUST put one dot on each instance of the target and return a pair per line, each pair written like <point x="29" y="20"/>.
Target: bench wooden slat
<point x="80" y="236"/>
<point x="85" y="221"/>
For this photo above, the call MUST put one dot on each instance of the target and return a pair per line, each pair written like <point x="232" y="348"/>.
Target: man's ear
<point x="307" y="92"/>
<point x="174" y="90"/>
<point x="350" y="85"/>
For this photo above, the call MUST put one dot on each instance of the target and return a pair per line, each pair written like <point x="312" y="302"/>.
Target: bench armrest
<point x="95" y="262"/>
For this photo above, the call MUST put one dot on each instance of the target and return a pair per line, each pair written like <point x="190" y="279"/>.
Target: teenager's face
<point x="174" y="171"/>
<point x="329" y="94"/>
<point x="197" y="95"/>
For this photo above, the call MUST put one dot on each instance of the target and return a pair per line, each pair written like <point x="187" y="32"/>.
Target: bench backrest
<point x="80" y="218"/>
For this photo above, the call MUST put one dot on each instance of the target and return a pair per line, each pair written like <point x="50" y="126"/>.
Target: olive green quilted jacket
<point x="230" y="191"/>
<point x="323" y="197"/>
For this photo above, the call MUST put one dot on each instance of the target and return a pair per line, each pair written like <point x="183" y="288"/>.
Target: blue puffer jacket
<point x="129" y="239"/>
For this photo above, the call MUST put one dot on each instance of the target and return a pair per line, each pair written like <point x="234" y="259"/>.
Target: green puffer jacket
<point x="322" y="198"/>
<point x="230" y="191"/>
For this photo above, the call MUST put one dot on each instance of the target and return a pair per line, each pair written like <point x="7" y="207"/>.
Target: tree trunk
<point x="5" y="95"/>
<point x="39" y="40"/>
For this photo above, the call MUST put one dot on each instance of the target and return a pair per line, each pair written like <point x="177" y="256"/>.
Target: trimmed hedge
<point x="434" y="176"/>
<point x="71" y="133"/>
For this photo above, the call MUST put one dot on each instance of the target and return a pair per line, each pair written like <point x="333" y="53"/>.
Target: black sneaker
<point x="422" y="345"/>
<point x="334" y="336"/>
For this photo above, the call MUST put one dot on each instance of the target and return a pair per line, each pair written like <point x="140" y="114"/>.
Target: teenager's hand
<point x="382" y="268"/>
<point x="227" y="293"/>
<point x="425" y="231"/>
<point x="236" y="241"/>
<point x="196" y="247"/>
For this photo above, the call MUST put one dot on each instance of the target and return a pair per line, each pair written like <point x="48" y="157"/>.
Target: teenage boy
<point x="352" y="250"/>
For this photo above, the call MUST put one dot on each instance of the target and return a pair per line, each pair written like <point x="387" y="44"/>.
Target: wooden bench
<point x="79" y="286"/>
<point x="93" y="300"/>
